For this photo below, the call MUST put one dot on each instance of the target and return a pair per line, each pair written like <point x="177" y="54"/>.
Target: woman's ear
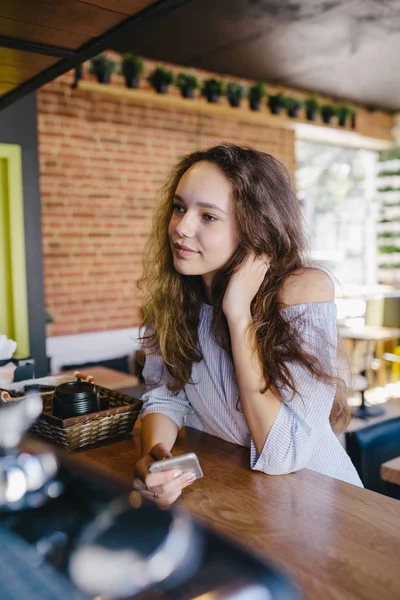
<point x="268" y="259"/>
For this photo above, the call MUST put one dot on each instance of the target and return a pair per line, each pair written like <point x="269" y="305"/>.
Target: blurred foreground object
<point x="69" y="531"/>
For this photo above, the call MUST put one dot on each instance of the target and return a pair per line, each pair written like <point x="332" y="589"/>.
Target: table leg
<point x="382" y="366"/>
<point x="395" y="367"/>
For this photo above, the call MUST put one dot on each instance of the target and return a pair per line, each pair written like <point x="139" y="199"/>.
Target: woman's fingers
<point x="138" y="485"/>
<point x="166" y="501"/>
<point x="162" y="501"/>
<point x="163" y="487"/>
<point x="165" y="495"/>
<point x="142" y="467"/>
<point x="173" y="486"/>
<point x="190" y="480"/>
<point x="160" y="479"/>
<point x="168" y="494"/>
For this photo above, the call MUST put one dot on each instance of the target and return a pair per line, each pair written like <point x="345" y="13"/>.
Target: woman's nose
<point x="186" y="226"/>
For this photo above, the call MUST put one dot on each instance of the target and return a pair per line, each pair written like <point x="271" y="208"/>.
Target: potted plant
<point x="102" y="66"/>
<point x="131" y="69"/>
<point x="277" y="102"/>
<point x="352" y="118"/>
<point x="235" y="93"/>
<point x="343" y="112"/>
<point x="212" y="89"/>
<point x="187" y="83"/>
<point x="327" y="112"/>
<point x="293" y="106"/>
<point x="160" y="79"/>
<point x="389" y="249"/>
<point x="256" y="93"/>
<point x="312" y="107"/>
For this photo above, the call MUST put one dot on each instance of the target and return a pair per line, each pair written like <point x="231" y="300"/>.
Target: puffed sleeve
<point x="158" y="398"/>
<point x="300" y="419"/>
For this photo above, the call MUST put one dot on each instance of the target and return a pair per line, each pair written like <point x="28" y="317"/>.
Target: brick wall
<point x="102" y="161"/>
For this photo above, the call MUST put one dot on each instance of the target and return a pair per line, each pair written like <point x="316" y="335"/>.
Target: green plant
<point x="352" y="117"/>
<point x="234" y="93"/>
<point x="389" y="249"/>
<point x="388" y="188"/>
<point x="187" y="81"/>
<point x="389" y="241"/>
<point x="212" y="89"/>
<point x="279" y="99"/>
<point x="311" y="107"/>
<point x="388" y="234"/>
<point x="292" y="105"/>
<point x="277" y="102"/>
<point x="392" y="154"/>
<point x="327" y="112"/>
<point x="389" y="173"/>
<point x="257" y="92"/>
<point x="343" y="112"/>
<point x="102" y="66"/>
<point x="389" y="266"/>
<point x="132" y="65"/>
<point x="160" y="79"/>
<point x="312" y="104"/>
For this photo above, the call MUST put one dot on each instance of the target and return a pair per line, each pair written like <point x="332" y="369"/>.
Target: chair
<point x="24" y="372"/>
<point x="140" y="359"/>
<point x="362" y="362"/>
<point x="137" y="391"/>
<point x="371" y="446"/>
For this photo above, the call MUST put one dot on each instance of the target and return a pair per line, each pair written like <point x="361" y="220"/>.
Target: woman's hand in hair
<point x="243" y="286"/>
<point x="163" y="488"/>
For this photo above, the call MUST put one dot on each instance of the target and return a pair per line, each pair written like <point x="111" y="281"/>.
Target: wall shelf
<point x="304" y="129"/>
<point x="197" y="105"/>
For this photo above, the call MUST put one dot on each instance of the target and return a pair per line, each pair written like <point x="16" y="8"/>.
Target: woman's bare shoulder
<point x="307" y="285"/>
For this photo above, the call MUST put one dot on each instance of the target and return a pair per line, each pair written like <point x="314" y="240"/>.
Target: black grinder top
<point x="75" y="398"/>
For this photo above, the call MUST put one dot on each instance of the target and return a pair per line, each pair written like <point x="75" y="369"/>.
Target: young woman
<point x="241" y="332"/>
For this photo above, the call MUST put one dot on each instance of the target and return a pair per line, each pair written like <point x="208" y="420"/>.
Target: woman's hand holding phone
<point x="162" y="487"/>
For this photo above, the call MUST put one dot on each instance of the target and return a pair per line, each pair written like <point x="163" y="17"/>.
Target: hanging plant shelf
<point x="175" y="102"/>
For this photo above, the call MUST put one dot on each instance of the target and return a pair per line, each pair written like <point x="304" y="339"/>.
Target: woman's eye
<point x="177" y="208"/>
<point x="209" y="218"/>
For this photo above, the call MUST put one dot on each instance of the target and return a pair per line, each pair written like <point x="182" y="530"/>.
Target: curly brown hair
<point x="269" y="222"/>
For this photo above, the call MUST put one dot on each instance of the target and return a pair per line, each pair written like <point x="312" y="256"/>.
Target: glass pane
<point x="337" y="187"/>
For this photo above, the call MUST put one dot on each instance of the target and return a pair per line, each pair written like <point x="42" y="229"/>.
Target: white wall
<point x="86" y="347"/>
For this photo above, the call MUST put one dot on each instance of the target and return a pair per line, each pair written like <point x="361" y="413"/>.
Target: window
<point x="337" y="188"/>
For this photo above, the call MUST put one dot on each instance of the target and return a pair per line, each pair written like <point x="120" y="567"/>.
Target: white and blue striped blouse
<point x="301" y="435"/>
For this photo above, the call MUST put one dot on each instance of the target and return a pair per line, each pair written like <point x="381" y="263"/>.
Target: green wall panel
<point x="13" y="295"/>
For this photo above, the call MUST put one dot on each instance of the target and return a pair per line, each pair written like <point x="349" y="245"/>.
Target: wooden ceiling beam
<point x="16" y="44"/>
<point x="129" y="26"/>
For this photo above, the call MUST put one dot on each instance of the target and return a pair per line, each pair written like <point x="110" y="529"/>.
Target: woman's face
<point x="202" y="229"/>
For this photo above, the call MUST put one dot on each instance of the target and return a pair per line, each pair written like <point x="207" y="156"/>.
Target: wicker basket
<point x="94" y="428"/>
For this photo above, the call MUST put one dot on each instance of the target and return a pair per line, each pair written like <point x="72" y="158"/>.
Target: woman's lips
<point x="183" y="251"/>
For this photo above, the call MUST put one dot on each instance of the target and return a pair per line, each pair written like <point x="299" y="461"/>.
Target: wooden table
<point x="110" y="378"/>
<point x="336" y="540"/>
<point x="390" y="471"/>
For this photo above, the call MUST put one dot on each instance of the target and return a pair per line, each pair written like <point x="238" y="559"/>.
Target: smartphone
<point x="188" y="463"/>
